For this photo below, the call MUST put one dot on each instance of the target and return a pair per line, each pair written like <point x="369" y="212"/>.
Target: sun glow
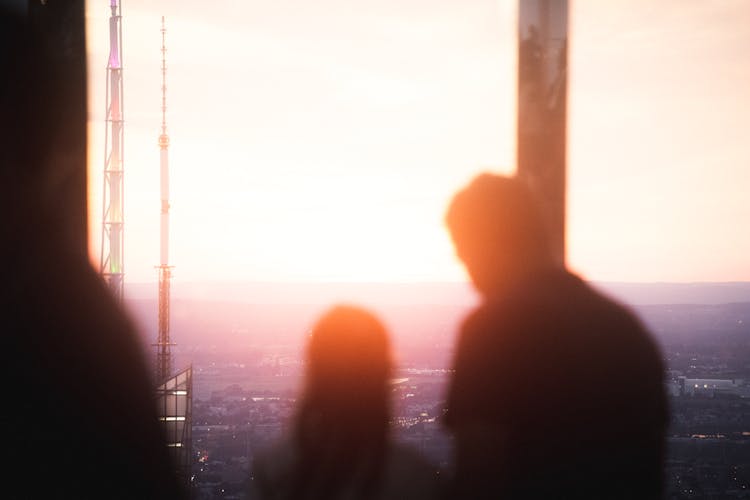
<point x="321" y="142"/>
<point x="329" y="154"/>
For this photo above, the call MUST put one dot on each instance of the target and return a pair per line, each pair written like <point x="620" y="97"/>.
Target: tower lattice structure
<point x="112" y="248"/>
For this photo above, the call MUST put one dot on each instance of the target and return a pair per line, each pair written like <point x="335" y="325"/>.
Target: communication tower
<point x="163" y="343"/>
<point x="174" y="392"/>
<point x="112" y="248"/>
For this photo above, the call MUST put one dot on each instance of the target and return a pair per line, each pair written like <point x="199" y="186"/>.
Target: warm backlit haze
<point x="322" y="140"/>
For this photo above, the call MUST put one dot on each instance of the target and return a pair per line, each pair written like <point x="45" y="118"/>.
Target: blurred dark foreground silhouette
<point x="339" y="447"/>
<point x="79" y="418"/>
<point x="557" y="391"/>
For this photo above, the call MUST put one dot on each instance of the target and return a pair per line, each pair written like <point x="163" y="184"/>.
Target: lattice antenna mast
<point x="163" y="343"/>
<point x="112" y="249"/>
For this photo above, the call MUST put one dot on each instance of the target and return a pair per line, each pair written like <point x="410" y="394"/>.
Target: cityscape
<point x="246" y="383"/>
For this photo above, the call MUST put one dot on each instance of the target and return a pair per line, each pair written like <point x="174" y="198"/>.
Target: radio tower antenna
<point x="112" y="249"/>
<point x="163" y="343"/>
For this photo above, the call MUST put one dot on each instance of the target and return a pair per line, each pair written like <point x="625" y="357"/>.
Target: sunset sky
<point x="322" y="140"/>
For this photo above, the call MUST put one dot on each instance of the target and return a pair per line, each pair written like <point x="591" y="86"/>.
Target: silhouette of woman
<point x="339" y="446"/>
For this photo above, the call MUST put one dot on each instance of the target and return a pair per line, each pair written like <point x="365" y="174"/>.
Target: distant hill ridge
<point x="457" y="293"/>
<point x="423" y="318"/>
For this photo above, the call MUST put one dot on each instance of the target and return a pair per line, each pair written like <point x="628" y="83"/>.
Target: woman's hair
<point x="342" y="423"/>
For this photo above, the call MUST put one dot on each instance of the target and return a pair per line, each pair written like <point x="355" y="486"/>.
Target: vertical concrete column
<point x="542" y="114"/>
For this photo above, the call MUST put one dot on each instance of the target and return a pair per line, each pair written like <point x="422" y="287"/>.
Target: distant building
<point x="712" y="387"/>
<point x="174" y="400"/>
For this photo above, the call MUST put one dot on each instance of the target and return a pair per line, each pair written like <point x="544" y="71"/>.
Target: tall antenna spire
<point x="163" y="81"/>
<point x="163" y="343"/>
<point x="112" y="249"/>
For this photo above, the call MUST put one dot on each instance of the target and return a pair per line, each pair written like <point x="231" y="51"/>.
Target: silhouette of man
<point x="557" y="390"/>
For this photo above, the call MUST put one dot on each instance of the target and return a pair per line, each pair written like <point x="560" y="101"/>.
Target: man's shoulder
<point x="566" y="290"/>
<point x="534" y="298"/>
<point x="550" y="306"/>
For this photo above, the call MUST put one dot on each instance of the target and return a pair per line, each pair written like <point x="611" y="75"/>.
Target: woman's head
<point x="343" y="418"/>
<point x="348" y="350"/>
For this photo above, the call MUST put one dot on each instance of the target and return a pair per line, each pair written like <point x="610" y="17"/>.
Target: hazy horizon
<point x="446" y="292"/>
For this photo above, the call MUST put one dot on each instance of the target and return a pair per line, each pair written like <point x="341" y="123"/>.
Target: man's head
<point x="497" y="231"/>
